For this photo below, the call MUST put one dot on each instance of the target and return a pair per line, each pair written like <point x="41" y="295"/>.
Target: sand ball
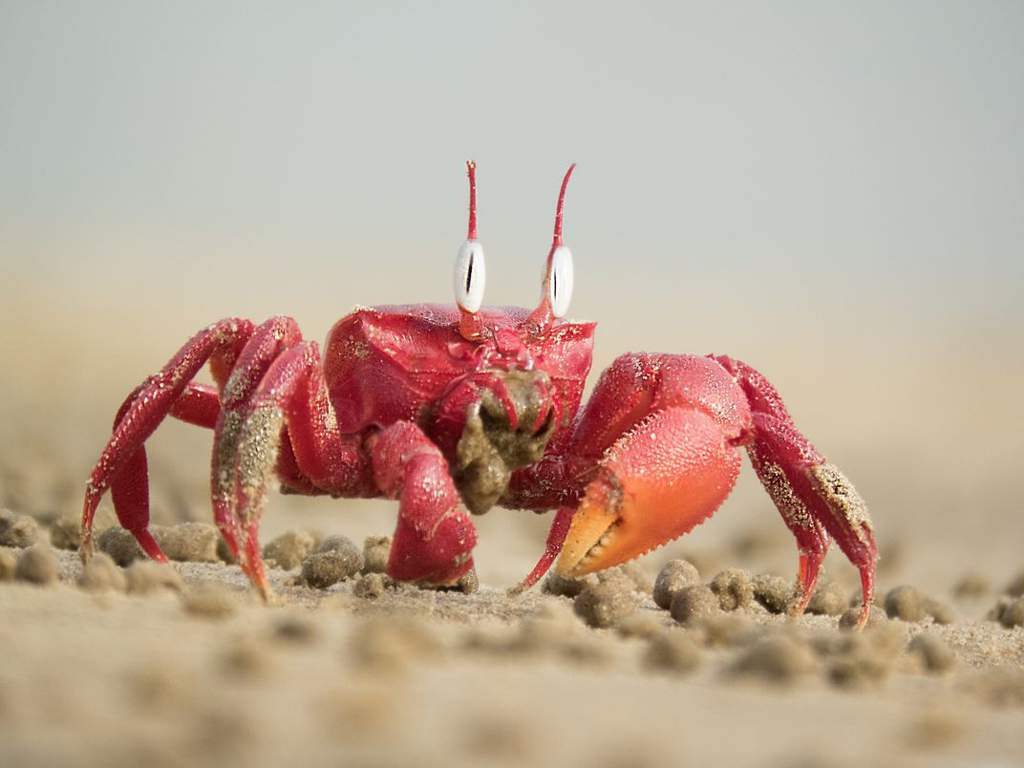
<point x="17" y="530"/>
<point x="940" y="612"/>
<point x="376" y="551"/>
<point x="774" y="593"/>
<point x="370" y="586"/>
<point x="1012" y="614"/>
<point x="852" y="615"/>
<point x="146" y="577"/>
<point x="971" y="586"/>
<point x="694" y="602"/>
<point x="120" y="545"/>
<point x="289" y="549"/>
<point x="66" y="533"/>
<point x="1016" y="586"/>
<point x="188" y="542"/>
<point x="733" y="588"/>
<point x="605" y="604"/>
<point x="829" y="599"/>
<point x="905" y="603"/>
<point x="37" y="565"/>
<point x="336" y="559"/>
<point x="674" y="576"/>
<point x="566" y="587"/>
<point x="101" y="574"/>
<point x="933" y="652"/>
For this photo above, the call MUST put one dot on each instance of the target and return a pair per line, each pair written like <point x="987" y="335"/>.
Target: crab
<point x="452" y="409"/>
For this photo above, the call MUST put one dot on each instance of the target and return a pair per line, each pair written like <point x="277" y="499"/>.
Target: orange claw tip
<point x="657" y="482"/>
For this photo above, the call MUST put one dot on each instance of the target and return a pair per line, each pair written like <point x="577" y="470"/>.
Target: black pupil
<point x="554" y="284"/>
<point x="469" y="273"/>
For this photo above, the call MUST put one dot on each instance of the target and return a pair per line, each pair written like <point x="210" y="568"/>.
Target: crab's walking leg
<point x="552" y="548"/>
<point x="810" y="493"/>
<point x="434" y="537"/>
<point x="291" y="393"/>
<point x="122" y="464"/>
<point x="267" y="343"/>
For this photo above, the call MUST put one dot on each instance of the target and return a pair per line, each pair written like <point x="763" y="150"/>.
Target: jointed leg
<point x="122" y="465"/>
<point x="814" y="498"/>
<point x="434" y="536"/>
<point x="291" y="394"/>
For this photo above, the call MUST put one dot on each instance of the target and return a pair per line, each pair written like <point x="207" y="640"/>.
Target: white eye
<point x="560" y="285"/>
<point x="470" y="276"/>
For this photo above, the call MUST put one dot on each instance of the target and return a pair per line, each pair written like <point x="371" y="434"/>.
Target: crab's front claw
<point x="658" y="481"/>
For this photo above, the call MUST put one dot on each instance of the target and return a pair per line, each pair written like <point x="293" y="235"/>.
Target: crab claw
<point x="656" y="482"/>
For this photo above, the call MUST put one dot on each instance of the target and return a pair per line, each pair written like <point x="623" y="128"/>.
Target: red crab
<point x="455" y="408"/>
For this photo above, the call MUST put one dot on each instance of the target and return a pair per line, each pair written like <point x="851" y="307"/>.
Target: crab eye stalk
<point x="470" y="275"/>
<point x="558" y="276"/>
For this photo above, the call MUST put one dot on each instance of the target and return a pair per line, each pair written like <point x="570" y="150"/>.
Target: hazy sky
<point x="316" y="149"/>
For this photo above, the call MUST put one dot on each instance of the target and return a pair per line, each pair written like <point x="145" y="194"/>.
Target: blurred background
<point x="833" y="193"/>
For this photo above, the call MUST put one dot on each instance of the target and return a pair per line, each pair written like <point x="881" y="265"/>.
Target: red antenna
<point x="561" y="203"/>
<point x="471" y="172"/>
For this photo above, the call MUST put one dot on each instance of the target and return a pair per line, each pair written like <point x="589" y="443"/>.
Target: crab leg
<point x="291" y="393"/>
<point x="122" y="465"/>
<point x="434" y="537"/>
<point x="267" y="343"/>
<point x="814" y="498"/>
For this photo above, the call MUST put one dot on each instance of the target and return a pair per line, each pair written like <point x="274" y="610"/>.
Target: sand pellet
<point x="8" y="562"/>
<point x="851" y="617"/>
<point x="37" y="565"/>
<point x="780" y="660"/>
<point x="693" y="603"/>
<point x="1012" y="615"/>
<point x="145" y="577"/>
<point x="17" y="530"/>
<point x="630" y="574"/>
<point x="971" y="586"/>
<point x="935" y="655"/>
<point x="672" y="651"/>
<point x="605" y="604"/>
<point x="940" y="612"/>
<point x="564" y="587"/>
<point x="829" y="599"/>
<point x="66" y="533"/>
<point x="101" y="574"/>
<point x="372" y="585"/>
<point x="323" y="569"/>
<point x="210" y="601"/>
<point x="188" y="542"/>
<point x="774" y="593"/>
<point x="905" y="603"/>
<point x="733" y="588"/>
<point x="1016" y="586"/>
<point x="376" y="551"/>
<point x="120" y="545"/>
<point x="288" y="550"/>
<point x="674" y="576"/>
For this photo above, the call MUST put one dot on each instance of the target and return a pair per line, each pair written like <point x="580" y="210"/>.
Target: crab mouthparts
<point x="491" y="448"/>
